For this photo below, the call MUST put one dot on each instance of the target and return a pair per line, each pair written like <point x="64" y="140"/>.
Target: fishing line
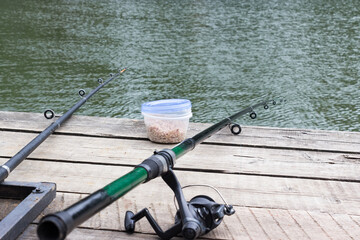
<point x="203" y="185"/>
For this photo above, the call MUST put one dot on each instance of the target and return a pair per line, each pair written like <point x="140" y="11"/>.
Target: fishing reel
<point x="194" y="218"/>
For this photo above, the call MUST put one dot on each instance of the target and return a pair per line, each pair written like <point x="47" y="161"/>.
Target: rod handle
<point x="55" y="226"/>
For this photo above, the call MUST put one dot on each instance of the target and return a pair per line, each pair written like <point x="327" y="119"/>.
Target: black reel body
<point x="193" y="219"/>
<point x="209" y="213"/>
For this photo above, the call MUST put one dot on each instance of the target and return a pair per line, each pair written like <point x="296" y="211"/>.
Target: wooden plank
<point x="332" y="228"/>
<point x="275" y="178"/>
<point x="229" y="159"/>
<point x="348" y="224"/>
<point x="6" y="206"/>
<point x="85" y="233"/>
<point x="251" y="225"/>
<point x="240" y="190"/>
<point x="291" y="228"/>
<point x="235" y="226"/>
<point x="92" y="234"/>
<point x="268" y="223"/>
<point x="347" y="142"/>
<point x="247" y="223"/>
<point x="307" y="223"/>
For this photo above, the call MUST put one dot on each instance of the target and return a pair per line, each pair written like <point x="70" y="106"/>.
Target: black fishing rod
<point x="193" y="219"/>
<point x="13" y="162"/>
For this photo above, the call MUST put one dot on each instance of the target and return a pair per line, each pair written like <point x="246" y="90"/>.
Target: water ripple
<point x="222" y="55"/>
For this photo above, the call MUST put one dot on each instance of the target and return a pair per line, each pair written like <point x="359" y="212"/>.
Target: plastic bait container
<point x="167" y="120"/>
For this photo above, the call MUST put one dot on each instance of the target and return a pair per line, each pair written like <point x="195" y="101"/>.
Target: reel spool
<point x="207" y="211"/>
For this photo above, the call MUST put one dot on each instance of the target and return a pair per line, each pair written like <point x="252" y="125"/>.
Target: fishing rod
<point x="193" y="219"/>
<point x="13" y="162"/>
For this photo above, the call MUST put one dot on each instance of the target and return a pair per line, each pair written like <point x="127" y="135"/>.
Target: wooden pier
<point x="283" y="183"/>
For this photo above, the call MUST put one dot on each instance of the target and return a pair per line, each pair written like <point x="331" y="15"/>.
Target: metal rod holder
<point x="35" y="196"/>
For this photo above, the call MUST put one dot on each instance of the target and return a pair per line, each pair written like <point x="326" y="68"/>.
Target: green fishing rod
<point x="13" y="162"/>
<point x="192" y="219"/>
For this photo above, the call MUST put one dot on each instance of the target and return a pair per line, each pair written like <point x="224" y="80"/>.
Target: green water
<point x="222" y="55"/>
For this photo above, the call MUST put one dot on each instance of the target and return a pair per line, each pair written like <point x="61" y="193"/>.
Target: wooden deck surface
<point x="283" y="183"/>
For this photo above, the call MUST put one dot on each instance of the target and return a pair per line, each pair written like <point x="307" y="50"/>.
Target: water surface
<point x="222" y="55"/>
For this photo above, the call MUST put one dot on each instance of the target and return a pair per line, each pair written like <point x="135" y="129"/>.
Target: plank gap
<point x="205" y="143"/>
<point x="197" y="170"/>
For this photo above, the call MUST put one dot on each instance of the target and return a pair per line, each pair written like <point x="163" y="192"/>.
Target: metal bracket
<point x="35" y="198"/>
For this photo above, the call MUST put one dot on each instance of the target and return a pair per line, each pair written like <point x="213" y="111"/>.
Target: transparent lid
<point x="167" y="106"/>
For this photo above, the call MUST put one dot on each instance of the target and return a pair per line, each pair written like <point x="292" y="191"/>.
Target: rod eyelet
<point x="49" y="114"/>
<point x="235" y="129"/>
<point x="82" y="92"/>
<point x="253" y="115"/>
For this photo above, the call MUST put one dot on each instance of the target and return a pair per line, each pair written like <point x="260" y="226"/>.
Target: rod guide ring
<point x="253" y="115"/>
<point x="82" y="92"/>
<point x="235" y="128"/>
<point x="49" y="114"/>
